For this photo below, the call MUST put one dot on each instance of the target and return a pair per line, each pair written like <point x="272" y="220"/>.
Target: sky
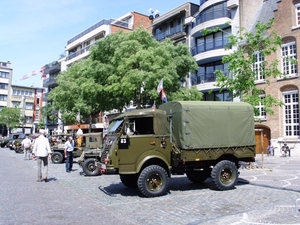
<point x="35" y="32"/>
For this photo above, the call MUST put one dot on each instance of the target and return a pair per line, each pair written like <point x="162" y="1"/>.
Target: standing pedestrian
<point x="41" y="151"/>
<point x="270" y="149"/>
<point x="26" y="147"/>
<point x="69" y="148"/>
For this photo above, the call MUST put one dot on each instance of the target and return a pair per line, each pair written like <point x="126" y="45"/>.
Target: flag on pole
<point x="160" y="86"/>
<point x="163" y="96"/>
<point x="78" y="117"/>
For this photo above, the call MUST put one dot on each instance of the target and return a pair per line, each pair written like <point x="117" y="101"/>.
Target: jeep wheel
<point x="89" y="167"/>
<point x="153" y="181"/>
<point x="197" y="177"/>
<point x="224" y="175"/>
<point x="129" y="180"/>
<point x="57" y="158"/>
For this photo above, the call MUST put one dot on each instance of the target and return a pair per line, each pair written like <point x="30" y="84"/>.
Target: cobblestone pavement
<point x="263" y="196"/>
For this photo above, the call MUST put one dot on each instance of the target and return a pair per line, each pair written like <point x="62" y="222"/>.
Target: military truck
<point x="198" y="138"/>
<point x="92" y="144"/>
<point x="5" y="142"/>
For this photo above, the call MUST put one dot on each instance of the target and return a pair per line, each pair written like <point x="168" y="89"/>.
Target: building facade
<point x="208" y="50"/>
<point x="30" y="100"/>
<point x="78" y="48"/>
<point x="283" y="126"/>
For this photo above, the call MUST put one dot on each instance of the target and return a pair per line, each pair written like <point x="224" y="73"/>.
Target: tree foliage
<point x="242" y="82"/>
<point x="11" y="117"/>
<point x="122" y="67"/>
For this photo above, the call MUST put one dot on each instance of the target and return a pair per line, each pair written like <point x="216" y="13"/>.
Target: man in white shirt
<point x="69" y="148"/>
<point x="26" y="147"/>
<point x="41" y="151"/>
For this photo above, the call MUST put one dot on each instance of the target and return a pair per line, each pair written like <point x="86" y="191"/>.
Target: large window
<point x="212" y="41"/>
<point x="288" y="52"/>
<point x="261" y="108"/>
<point x="206" y="72"/>
<point x="291" y="114"/>
<point x="218" y="96"/>
<point x="258" y="66"/>
<point x="212" y="12"/>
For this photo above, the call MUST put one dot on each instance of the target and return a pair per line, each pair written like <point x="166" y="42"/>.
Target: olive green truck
<point x="198" y="138"/>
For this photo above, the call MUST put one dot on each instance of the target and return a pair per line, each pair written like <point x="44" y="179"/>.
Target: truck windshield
<point x="114" y="125"/>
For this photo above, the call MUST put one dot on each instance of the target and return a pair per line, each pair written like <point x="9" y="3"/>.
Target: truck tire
<point x="89" y="167"/>
<point x="153" y="181"/>
<point x="129" y="180"/>
<point x="197" y="177"/>
<point x="57" y="158"/>
<point x="224" y="175"/>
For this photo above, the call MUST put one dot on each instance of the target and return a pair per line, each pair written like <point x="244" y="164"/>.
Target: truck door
<point x="138" y="140"/>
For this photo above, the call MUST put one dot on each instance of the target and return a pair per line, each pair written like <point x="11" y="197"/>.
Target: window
<point x="288" y="51"/>
<point x="3" y="97"/>
<point x="258" y="66"/>
<point x="29" y="105"/>
<point x="4" y="74"/>
<point x="297" y="7"/>
<point x="3" y="86"/>
<point x="15" y="104"/>
<point x="28" y="119"/>
<point x="261" y="108"/>
<point x="291" y="114"/>
<point x="218" y="96"/>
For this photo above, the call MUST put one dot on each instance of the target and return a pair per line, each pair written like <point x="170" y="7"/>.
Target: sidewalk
<point x="274" y="172"/>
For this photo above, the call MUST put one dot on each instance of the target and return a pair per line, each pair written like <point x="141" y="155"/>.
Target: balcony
<point x="53" y="67"/>
<point x="201" y="78"/>
<point x="172" y="33"/>
<point x="102" y="22"/>
<point x="49" y="81"/>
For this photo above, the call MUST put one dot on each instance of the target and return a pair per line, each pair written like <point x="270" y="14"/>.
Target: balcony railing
<point x="209" y="46"/>
<point x="169" y="33"/>
<point x="201" y="78"/>
<point x="102" y="22"/>
<point x="203" y="17"/>
<point x="79" y="52"/>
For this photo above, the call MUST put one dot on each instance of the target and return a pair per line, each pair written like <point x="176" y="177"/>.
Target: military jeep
<point x="92" y="144"/>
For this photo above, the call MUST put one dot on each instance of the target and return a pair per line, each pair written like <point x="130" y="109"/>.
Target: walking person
<point x="26" y="143"/>
<point x="41" y="151"/>
<point x="69" y="148"/>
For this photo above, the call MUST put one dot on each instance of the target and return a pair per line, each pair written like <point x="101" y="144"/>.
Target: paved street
<point x="263" y="196"/>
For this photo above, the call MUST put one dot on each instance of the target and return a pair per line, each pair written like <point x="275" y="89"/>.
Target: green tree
<point x="118" y="68"/>
<point x="11" y="117"/>
<point x="240" y="65"/>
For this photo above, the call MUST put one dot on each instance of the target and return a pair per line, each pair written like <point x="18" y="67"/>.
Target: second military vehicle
<point x="198" y="138"/>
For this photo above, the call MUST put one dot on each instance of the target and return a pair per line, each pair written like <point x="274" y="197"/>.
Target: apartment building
<point x="5" y="81"/>
<point x="283" y="126"/>
<point x="29" y="99"/>
<point x="208" y="50"/>
<point x="78" y="47"/>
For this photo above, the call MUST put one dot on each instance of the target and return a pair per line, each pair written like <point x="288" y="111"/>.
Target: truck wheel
<point x="89" y="167"/>
<point x="129" y="180"/>
<point x="197" y="177"/>
<point x="153" y="181"/>
<point x="57" y="158"/>
<point x="224" y="175"/>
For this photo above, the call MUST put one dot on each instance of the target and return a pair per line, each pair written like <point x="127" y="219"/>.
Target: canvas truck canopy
<point x="204" y="124"/>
